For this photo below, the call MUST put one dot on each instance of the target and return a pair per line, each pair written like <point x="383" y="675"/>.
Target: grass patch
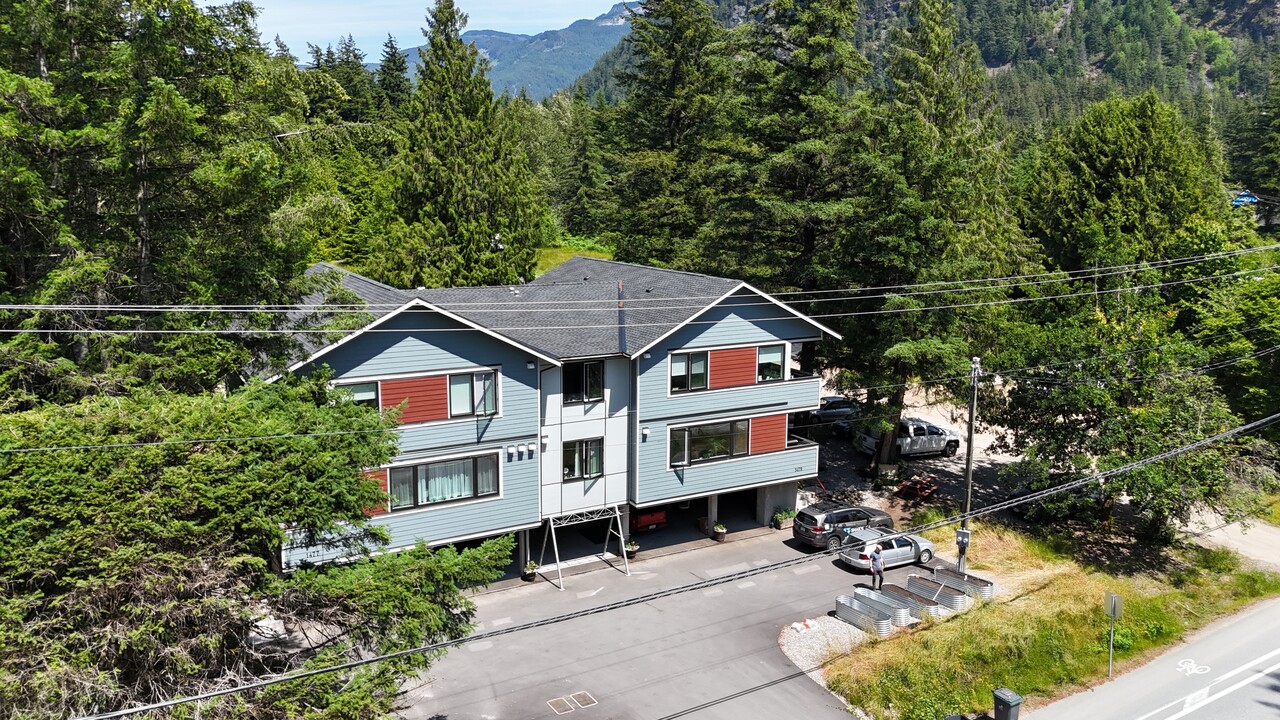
<point x="568" y="246"/>
<point x="1048" y="635"/>
<point x="1271" y="513"/>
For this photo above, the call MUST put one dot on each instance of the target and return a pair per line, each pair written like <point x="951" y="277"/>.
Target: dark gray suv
<point x="827" y="524"/>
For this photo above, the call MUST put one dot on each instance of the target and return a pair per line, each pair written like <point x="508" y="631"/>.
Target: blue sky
<point x="322" y="22"/>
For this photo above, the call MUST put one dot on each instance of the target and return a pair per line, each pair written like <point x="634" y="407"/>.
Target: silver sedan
<point x="896" y="549"/>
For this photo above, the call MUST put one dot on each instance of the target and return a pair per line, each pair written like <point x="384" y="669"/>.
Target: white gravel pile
<point x="825" y="637"/>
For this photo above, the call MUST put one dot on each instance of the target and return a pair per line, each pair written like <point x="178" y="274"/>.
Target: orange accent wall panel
<point x="768" y="433"/>
<point x="380" y="476"/>
<point x="428" y="397"/>
<point x="730" y="368"/>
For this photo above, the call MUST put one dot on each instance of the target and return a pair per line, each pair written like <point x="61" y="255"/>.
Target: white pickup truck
<point x="915" y="437"/>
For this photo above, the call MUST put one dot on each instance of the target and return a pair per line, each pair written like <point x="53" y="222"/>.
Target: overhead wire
<point x="1007" y="374"/>
<point x="571" y="305"/>
<point x="690" y="587"/>
<point x="609" y="326"/>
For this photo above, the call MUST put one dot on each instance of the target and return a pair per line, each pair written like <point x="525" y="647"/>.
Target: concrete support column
<point x="774" y="497"/>
<point x="713" y="510"/>
<point x="523" y="552"/>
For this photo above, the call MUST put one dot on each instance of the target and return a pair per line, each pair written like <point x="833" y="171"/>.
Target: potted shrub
<point x="718" y="531"/>
<point x="783" y="518"/>
<point x="631" y="548"/>
<point x="530" y="571"/>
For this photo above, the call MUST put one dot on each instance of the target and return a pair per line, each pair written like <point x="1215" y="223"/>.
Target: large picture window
<point x="688" y="372"/>
<point x="473" y="394"/>
<point x="583" y="381"/>
<point x="438" y="482"/>
<point x="583" y="459"/>
<point x="769" y="360"/>
<point x="701" y="443"/>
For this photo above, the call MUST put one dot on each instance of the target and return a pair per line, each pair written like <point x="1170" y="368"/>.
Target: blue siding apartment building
<point x="599" y="386"/>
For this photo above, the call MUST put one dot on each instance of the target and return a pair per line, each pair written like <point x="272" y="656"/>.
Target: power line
<point x="933" y="381"/>
<point x="650" y="597"/>
<point x="607" y="326"/>
<point x="519" y="306"/>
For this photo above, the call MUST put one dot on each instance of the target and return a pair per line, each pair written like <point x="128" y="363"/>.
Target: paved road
<point x="705" y="654"/>
<point x="1230" y="669"/>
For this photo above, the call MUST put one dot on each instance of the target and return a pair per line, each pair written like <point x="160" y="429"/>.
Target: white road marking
<point x="720" y="572"/>
<point x="715" y="592"/>
<point x="1215" y="681"/>
<point x="589" y="593"/>
<point x="759" y="563"/>
<point x="1224" y="693"/>
<point x="478" y="646"/>
<point x="499" y="622"/>
<point x="1190" y="667"/>
<point x="1195" y="698"/>
<point x="745" y="585"/>
<point x="803" y="569"/>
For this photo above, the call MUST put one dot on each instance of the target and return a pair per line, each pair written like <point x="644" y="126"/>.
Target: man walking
<point x="877" y="569"/>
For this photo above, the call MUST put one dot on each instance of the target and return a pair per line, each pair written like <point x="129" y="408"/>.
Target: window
<point x="473" y="394"/>
<point x="438" y="482"/>
<point x="688" y="372"/>
<point x="583" y="382"/>
<point x="583" y="459"/>
<point x="701" y="443"/>
<point x="363" y="393"/>
<point x="769" y="363"/>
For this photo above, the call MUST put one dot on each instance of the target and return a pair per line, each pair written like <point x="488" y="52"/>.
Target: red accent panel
<point x="768" y="433"/>
<point x="730" y="368"/>
<point x="381" y="476"/>
<point x="428" y="397"/>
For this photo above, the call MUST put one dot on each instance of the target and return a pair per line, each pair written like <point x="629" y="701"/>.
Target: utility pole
<point x="962" y="537"/>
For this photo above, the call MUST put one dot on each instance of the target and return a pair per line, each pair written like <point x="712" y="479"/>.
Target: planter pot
<point x="718" y="536"/>
<point x="783" y="524"/>
<point x="631" y="554"/>
<point x="529" y="576"/>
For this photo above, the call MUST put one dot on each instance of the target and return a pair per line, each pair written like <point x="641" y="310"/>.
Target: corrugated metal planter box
<point x="971" y="585"/>
<point x="947" y="597"/>
<point x="899" y="611"/>
<point x="862" y="615"/>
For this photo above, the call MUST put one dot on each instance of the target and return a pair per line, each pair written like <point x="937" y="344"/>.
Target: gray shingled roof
<point x="570" y="312"/>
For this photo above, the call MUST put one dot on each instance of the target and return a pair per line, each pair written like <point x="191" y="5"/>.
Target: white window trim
<point x="673" y="428"/>
<point x="497" y="387"/>
<point x="579" y="441"/>
<point x="786" y="366"/>
<point x="604" y="384"/>
<point x="502" y="485"/>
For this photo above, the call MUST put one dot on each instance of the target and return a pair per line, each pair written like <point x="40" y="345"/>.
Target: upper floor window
<point x="583" y="381"/>
<point x="583" y="459"/>
<point x="363" y="393"/>
<point x="437" y="482"/>
<point x="769" y="362"/>
<point x="688" y="371"/>
<point x="473" y="394"/>
<point x="698" y="443"/>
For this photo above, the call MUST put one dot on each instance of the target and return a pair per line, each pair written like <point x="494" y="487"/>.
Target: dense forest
<point x="1045" y="185"/>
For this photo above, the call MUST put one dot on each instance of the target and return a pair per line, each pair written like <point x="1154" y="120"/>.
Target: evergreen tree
<point x="786" y="190"/>
<point x="466" y="208"/>
<point x="669" y="119"/>
<point x="932" y="207"/>
<point x="393" y="75"/>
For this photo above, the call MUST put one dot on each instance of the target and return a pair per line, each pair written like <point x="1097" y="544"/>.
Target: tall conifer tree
<point x="666" y="125"/>
<point x="393" y="75"/>
<point x="467" y="209"/>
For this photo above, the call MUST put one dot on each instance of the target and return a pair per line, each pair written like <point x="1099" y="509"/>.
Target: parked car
<point x="827" y="524"/>
<point x="894" y="549"/>
<point x="915" y="437"/>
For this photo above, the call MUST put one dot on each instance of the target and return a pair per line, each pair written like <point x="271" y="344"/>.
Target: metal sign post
<point x="1114" y="605"/>
<point x="974" y="372"/>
